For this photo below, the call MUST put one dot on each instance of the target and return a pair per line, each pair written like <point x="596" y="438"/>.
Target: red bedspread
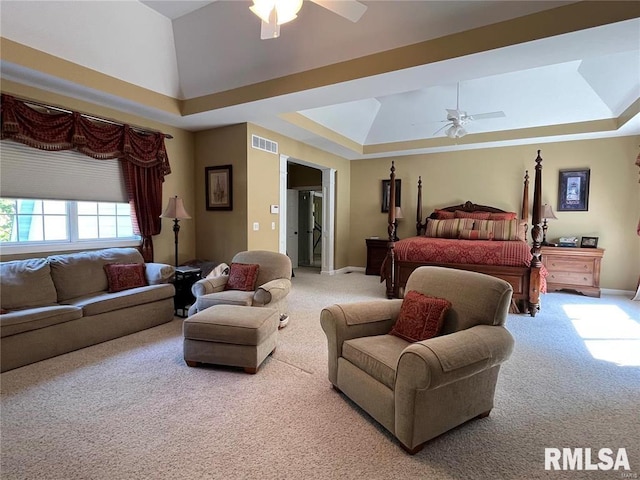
<point x="478" y="252"/>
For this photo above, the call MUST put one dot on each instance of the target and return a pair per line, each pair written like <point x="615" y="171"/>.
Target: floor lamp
<point x="175" y="209"/>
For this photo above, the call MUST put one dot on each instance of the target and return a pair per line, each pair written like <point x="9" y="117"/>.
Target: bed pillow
<point x="503" y="216"/>
<point x="421" y="317"/>
<point x="476" y="235"/>
<point x="447" y="228"/>
<point x="124" y="276"/>
<point x="501" y="229"/>
<point x="242" y="276"/>
<point x="443" y="214"/>
<point x="478" y="215"/>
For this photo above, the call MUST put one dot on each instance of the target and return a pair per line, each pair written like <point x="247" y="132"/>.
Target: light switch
<point x="273" y="225"/>
<point x="275" y="208"/>
<point x="256" y="226"/>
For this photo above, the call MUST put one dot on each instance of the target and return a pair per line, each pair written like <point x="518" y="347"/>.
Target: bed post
<point x="524" y="215"/>
<point x="419" y="208"/>
<point x="391" y="229"/>
<point x="536" y="236"/>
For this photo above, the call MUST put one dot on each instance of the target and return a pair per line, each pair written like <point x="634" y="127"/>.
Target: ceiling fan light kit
<point x="283" y="10"/>
<point x="455" y="131"/>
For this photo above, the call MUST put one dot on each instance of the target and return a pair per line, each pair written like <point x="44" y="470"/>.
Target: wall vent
<point x="264" y="144"/>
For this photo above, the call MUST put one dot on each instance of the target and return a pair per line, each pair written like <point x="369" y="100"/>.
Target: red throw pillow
<point x="476" y="235"/>
<point x="123" y="276"/>
<point x="421" y="317"/>
<point x="3" y="311"/>
<point x="242" y="276"/>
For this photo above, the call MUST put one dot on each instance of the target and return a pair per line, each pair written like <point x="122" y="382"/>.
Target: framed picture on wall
<point x="386" y="191"/>
<point x="573" y="190"/>
<point x="219" y="187"/>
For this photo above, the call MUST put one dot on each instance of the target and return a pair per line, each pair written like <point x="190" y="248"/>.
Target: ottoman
<point x="231" y="335"/>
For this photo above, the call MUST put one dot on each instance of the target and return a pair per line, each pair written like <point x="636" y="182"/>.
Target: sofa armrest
<point x="159" y="273"/>
<point x="353" y="320"/>
<point x="272" y="292"/>
<point x="446" y="359"/>
<point x="209" y="285"/>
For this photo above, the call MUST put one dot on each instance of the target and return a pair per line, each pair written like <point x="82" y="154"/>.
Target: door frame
<point x="328" y="211"/>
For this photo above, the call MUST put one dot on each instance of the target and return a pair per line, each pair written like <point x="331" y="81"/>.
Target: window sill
<point x="53" y="247"/>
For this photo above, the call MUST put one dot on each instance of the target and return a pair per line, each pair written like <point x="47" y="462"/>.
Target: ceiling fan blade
<point x="269" y="30"/>
<point x="441" y="129"/>
<point x="481" y="116"/>
<point x="349" y="9"/>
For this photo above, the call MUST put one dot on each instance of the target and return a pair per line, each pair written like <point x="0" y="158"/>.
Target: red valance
<point x="142" y="154"/>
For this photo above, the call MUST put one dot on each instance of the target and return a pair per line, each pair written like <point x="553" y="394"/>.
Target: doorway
<point x="307" y="213"/>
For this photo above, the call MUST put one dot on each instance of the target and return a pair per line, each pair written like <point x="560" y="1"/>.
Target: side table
<point x="185" y="277"/>
<point x="573" y="268"/>
<point x="376" y="253"/>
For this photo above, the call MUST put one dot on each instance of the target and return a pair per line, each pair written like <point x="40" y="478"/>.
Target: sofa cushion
<point x="102" y="302"/>
<point x="377" y="356"/>
<point x="79" y="274"/>
<point x="26" y="283"/>
<point x="123" y="276"/>
<point x="242" y="276"/>
<point x="19" y="321"/>
<point x="421" y="317"/>
<point x="226" y="297"/>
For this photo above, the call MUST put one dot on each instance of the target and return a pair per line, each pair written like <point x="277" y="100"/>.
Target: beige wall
<point x="299" y="151"/>
<point x="221" y="234"/>
<point x="179" y="182"/>
<point x="494" y="177"/>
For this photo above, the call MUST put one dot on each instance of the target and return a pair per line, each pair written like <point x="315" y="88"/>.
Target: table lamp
<point x="547" y="213"/>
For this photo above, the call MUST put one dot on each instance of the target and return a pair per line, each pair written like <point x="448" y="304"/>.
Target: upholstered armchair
<point x="269" y="288"/>
<point x="420" y="390"/>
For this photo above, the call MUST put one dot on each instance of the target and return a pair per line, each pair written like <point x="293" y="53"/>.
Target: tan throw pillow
<point x="421" y="317"/>
<point x="476" y="235"/>
<point x="123" y="276"/>
<point x="242" y="276"/>
<point x="502" y="229"/>
<point x="447" y="228"/>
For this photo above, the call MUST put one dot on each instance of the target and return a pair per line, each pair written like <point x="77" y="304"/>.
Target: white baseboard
<point x="611" y="291"/>
<point x="343" y="270"/>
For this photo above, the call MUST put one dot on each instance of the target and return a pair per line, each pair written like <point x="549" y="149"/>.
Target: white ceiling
<point x="190" y="49"/>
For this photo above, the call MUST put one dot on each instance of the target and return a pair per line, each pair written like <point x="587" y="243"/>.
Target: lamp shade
<point x="547" y="212"/>
<point x="399" y="213"/>
<point x="175" y="209"/>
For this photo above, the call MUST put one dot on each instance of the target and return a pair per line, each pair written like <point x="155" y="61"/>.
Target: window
<point x="31" y="225"/>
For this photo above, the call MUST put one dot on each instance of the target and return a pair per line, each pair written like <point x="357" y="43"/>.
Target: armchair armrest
<point x="442" y="360"/>
<point x="157" y="273"/>
<point x="353" y="320"/>
<point x="205" y="286"/>
<point x="272" y="291"/>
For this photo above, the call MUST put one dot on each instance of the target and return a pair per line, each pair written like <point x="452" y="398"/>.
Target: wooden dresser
<point x="376" y="251"/>
<point x="572" y="268"/>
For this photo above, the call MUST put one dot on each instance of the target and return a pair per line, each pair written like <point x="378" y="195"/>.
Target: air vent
<point x="264" y="144"/>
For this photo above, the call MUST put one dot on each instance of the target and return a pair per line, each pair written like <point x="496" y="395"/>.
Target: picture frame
<point x="386" y="190"/>
<point x="219" y="187"/>
<point x="589" y="242"/>
<point x="573" y="190"/>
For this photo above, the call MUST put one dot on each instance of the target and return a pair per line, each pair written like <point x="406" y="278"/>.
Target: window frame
<point x="73" y="242"/>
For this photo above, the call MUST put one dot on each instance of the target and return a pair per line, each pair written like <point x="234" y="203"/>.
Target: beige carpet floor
<point x="131" y="409"/>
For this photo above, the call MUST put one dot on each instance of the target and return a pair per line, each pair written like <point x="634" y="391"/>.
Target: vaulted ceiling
<point x="558" y="70"/>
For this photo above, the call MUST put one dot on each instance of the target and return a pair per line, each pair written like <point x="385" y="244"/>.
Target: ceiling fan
<point x="457" y="119"/>
<point x="274" y="13"/>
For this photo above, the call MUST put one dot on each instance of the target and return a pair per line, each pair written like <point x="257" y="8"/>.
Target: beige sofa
<point x="61" y="303"/>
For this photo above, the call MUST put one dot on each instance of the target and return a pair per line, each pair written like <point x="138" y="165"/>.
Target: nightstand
<point x="376" y="253"/>
<point x="573" y="268"/>
<point x="184" y="279"/>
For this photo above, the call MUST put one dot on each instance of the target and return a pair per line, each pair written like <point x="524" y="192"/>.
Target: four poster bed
<point x="473" y="237"/>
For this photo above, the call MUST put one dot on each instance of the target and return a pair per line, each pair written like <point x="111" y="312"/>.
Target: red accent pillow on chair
<point x="421" y="317"/>
<point x="242" y="276"/>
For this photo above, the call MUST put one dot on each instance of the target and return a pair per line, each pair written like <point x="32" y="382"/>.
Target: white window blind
<point x="27" y="172"/>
